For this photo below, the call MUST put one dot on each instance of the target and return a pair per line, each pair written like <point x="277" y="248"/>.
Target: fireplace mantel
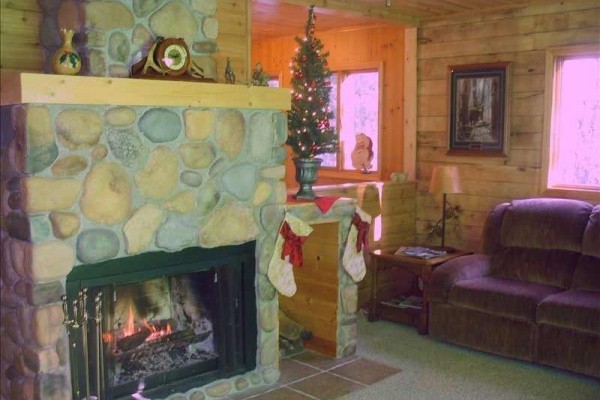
<point x="32" y="88"/>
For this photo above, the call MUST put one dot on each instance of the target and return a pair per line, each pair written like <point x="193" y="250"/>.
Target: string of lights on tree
<point x="308" y="120"/>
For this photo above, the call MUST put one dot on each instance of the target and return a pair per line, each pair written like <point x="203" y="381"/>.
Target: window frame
<point x="549" y="140"/>
<point x="338" y="172"/>
<point x="276" y="77"/>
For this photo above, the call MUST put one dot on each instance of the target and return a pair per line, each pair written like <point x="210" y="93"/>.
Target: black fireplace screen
<point x="160" y="325"/>
<point x="161" y="322"/>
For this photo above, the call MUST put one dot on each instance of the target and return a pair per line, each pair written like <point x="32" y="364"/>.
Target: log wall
<point x="20" y="49"/>
<point x="521" y="38"/>
<point x="348" y="49"/>
<point x="233" y="39"/>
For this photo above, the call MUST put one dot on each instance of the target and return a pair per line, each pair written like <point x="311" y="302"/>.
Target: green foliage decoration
<point x="434" y="230"/>
<point x="72" y="57"/>
<point x="308" y="120"/>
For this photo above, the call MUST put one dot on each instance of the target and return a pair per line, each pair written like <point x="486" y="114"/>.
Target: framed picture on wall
<point x="479" y="117"/>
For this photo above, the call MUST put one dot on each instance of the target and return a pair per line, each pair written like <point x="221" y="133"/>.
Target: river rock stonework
<point x="106" y="197"/>
<point x="102" y="176"/>
<point x="113" y="190"/>
<point x="42" y="149"/>
<point x="111" y="34"/>
<point x="118" y="191"/>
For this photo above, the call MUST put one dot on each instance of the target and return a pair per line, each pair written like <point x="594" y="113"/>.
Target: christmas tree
<point x="308" y="120"/>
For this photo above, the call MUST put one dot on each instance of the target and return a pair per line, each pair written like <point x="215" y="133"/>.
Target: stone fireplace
<point x="85" y="183"/>
<point x="99" y="168"/>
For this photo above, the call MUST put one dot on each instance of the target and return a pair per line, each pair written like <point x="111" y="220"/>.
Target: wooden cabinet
<point x="315" y="304"/>
<point x="326" y="300"/>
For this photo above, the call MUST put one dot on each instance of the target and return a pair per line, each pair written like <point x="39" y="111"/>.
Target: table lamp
<point x="444" y="180"/>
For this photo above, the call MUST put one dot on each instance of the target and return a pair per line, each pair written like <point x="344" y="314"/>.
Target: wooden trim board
<point x="27" y="88"/>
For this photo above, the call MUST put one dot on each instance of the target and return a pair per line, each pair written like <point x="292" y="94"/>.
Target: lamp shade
<point x="445" y="179"/>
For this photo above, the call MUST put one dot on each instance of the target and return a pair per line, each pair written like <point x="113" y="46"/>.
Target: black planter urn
<point x="306" y="175"/>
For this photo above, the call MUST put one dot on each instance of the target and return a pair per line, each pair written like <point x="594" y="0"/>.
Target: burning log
<point x="163" y="328"/>
<point x="135" y="340"/>
<point x="167" y="343"/>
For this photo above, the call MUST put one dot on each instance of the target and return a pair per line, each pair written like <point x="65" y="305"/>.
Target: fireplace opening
<point x="159" y="323"/>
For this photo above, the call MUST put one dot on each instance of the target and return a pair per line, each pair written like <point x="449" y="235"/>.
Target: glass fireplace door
<point x="145" y="331"/>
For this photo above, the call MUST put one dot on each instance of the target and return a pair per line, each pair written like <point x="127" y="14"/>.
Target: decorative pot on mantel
<point x="306" y="174"/>
<point x="66" y="60"/>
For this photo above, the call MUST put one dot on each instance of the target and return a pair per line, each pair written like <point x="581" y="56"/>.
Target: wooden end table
<point x="383" y="259"/>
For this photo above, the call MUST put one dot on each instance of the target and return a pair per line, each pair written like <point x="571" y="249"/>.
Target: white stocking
<point x="353" y="261"/>
<point x="280" y="270"/>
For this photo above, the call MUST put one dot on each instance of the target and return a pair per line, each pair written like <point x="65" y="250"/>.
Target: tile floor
<point x="311" y="376"/>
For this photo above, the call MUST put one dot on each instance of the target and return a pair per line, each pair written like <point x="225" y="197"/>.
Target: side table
<point x="383" y="259"/>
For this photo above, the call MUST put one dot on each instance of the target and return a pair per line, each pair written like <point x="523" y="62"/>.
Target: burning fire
<point x="130" y="329"/>
<point x="157" y="333"/>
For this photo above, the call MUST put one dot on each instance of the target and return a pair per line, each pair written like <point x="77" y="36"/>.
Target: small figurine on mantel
<point x="362" y="155"/>
<point x="259" y="78"/>
<point x="229" y="74"/>
<point x="66" y="60"/>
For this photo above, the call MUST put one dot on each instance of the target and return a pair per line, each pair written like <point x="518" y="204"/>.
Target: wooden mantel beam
<point x="383" y="12"/>
<point x="32" y="88"/>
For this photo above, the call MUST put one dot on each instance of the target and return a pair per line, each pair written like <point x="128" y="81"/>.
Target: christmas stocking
<point x="353" y="260"/>
<point x="288" y="254"/>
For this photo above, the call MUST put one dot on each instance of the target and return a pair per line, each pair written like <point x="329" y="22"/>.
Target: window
<point x="273" y="82"/>
<point x="354" y="102"/>
<point x="572" y="159"/>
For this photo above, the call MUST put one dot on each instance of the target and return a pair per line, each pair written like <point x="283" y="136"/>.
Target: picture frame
<point x="479" y="109"/>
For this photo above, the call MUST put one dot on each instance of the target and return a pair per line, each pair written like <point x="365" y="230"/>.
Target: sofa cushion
<point x="546" y="267"/>
<point x="459" y="268"/>
<point x="574" y="309"/>
<point x="483" y="331"/>
<point x="501" y="296"/>
<point x="545" y="224"/>
<point x="587" y="274"/>
<point x="491" y="231"/>
<point x="591" y="236"/>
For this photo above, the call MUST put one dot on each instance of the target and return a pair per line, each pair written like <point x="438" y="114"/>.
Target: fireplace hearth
<point x="159" y="323"/>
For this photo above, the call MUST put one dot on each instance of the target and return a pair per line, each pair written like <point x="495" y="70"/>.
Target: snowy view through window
<point x="354" y="102"/>
<point x="575" y="152"/>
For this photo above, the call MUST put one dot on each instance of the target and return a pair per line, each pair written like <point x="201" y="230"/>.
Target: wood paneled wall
<point x="20" y="49"/>
<point x="520" y="37"/>
<point x="19" y="36"/>
<point x="348" y="48"/>
<point x="233" y="39"/>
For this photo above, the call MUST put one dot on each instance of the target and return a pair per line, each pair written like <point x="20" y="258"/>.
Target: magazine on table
<point x="405" y="302"/>
<point x="420" y="252"/>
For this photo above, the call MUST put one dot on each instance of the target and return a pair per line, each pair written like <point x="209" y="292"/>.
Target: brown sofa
<point x="534" y="293"/>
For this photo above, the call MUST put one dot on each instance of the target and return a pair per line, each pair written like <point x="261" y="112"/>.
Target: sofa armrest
<point x="457" y="269"/>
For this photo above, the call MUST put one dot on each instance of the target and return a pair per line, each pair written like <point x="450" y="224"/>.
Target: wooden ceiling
<point x="274" y="18"/>
<point x="278" y="18"/>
